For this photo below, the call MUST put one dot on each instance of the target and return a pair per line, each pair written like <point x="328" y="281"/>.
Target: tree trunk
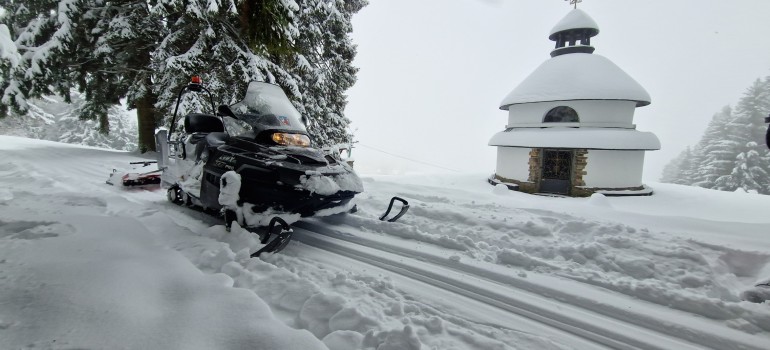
<point x="147" y="120"/>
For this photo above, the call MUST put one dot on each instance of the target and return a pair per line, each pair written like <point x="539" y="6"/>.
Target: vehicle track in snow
<point x="603" y="324"/>
<point x="599" y="323"/>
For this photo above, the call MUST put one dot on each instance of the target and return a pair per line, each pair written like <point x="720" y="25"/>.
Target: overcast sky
<point x="433" y="72"/>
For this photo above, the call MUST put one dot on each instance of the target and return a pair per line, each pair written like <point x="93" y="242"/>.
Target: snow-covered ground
<point x="471" y="266"/>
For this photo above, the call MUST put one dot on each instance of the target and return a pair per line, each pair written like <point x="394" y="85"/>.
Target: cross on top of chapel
<point x="574" y="2"/>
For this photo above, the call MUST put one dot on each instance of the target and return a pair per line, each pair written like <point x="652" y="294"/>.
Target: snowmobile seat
<point x="212" y="140"/>
<point x="202" y="123"/>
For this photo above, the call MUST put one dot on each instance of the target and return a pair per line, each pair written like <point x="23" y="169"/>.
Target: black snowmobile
<point x="252" y="163"/>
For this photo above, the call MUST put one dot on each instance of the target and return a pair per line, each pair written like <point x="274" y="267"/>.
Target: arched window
<point x="561" y="114"/>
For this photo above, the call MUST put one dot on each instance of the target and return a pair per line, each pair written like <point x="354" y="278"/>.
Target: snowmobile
<point x="252" y="163"/>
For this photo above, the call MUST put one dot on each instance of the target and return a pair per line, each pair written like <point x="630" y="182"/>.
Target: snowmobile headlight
<point x="291" y="139"/>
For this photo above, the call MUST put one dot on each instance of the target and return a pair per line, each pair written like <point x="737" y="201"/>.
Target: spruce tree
<point x="747" y="130"/>
<point x="117" y="43"/>
<point x="750" y="172"/>
<point x="324" y="66"/>
<point x="204" y="39"/>
<point x="145" y="51"/>
<point x="41" y="33"/>
<point x="98" y="47"/>
<point x="672" y="171"/>
<point x="687" y="168"/>
<point x="731" y="154"/>
<point x="715" y="154"/>
<point x="753" y="108"/>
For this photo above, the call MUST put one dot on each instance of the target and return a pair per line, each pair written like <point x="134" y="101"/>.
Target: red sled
<point x="137" y="176"/>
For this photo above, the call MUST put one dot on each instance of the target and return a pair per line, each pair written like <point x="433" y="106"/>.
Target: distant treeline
<point x="731" y="154"/>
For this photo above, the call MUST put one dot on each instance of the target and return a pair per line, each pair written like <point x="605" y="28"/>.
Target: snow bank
<point x="78" y="281"/>
<point x="80" y="269"/>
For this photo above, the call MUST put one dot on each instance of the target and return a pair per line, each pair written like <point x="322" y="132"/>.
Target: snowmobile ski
<point x="404" y="209"/>
<point x="281" y="239"/>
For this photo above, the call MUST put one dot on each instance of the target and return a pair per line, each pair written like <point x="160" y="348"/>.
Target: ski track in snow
<point x="568" y="311"/>
<point x="655" y="277"/>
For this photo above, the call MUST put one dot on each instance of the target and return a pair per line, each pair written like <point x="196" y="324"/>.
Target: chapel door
<point x="557" y="171"/>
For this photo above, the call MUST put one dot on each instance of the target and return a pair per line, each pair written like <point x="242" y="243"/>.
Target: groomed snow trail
<point x="604" y="324"/>
<point x="383" y="307"/>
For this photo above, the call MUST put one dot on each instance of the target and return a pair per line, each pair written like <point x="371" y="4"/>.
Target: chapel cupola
<point x="573" y="33"/>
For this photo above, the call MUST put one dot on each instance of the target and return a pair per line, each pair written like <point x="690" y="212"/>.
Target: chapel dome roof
<point x="575" y="19"/>
<point x="577" y="76"/>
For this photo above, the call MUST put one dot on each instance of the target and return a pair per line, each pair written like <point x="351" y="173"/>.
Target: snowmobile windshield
<point x="266" y="107"/>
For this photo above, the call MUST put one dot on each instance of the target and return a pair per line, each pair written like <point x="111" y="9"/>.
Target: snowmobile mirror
<point x="224" y="110"/>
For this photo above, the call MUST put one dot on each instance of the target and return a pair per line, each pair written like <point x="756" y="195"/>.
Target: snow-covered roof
<point x="588" y="138"/>
<point x="577" y="76"/>
<point x="575" y="19"/>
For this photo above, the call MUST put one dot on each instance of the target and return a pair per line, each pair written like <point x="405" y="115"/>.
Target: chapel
<point x="570" y="124"/>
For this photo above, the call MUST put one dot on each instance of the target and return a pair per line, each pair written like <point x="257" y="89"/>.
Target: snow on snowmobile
<point x="252" y="163"/>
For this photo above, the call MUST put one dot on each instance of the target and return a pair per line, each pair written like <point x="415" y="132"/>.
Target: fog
<point x="433" y="72"/>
